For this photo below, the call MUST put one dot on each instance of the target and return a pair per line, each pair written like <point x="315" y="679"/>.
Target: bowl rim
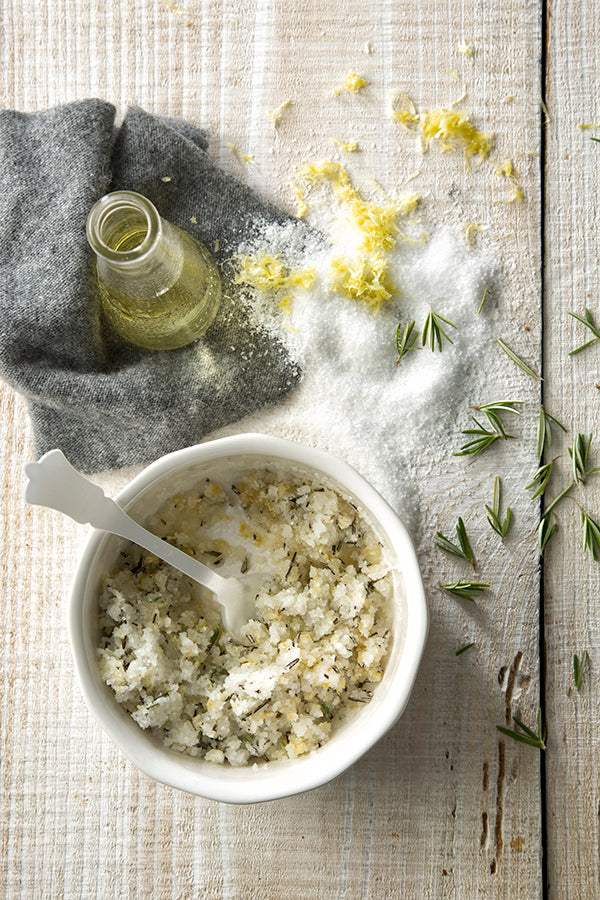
<point x="244" y="784"/>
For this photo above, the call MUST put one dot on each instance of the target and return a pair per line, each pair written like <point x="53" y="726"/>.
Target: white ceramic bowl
<point x="143" y="496"/>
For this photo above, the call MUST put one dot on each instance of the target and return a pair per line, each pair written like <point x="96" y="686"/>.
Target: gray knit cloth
<point x="105" y="403"/>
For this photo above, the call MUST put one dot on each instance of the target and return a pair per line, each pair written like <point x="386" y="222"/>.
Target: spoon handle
<point x="53" y="482"/>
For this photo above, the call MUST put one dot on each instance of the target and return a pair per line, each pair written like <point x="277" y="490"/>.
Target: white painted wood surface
<point x="572" y="618"/>
<point x="443" y="806"/>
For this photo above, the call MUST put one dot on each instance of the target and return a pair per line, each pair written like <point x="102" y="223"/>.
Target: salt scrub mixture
<point x="311" y="657"/>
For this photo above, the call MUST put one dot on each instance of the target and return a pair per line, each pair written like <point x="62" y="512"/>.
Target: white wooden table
<point x="444" y="806"/>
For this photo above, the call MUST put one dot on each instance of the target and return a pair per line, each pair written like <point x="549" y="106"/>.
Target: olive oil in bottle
<point x="159" y="287"/>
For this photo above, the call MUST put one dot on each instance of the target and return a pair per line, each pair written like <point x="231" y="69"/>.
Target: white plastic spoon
<point x="53" y="482"/>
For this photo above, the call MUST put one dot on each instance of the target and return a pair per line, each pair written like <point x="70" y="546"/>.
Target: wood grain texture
<point x="441" y="807"/>
<point x="572" y="580"/>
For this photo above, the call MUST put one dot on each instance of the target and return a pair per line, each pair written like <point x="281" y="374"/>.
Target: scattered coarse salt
<point x="353" y="399"/>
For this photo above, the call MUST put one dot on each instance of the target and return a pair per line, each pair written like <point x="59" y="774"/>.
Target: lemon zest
<point x="470" y="229"/>
<point x="585" y="125"/>
<point x="276" y="115"/>
<point x="361" y="273"/>
<point x="351" y="85"/>
<point x="174" y="7"/>
<point x="348" y="146"/>
<point x="452" y="128"/>
<point x="507" y="169"/>
<point x="243" y="157"/>
<point x="516" y="197"/>
<point x="270" y="274"/>
<point x="465" y="48"/>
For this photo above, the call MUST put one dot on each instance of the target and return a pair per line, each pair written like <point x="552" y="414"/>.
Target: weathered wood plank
<point x="440" y="807"/>
<point x="572" y="579"/>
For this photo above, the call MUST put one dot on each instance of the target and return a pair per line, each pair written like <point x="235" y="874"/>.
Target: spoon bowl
<point x="54" y="483"/>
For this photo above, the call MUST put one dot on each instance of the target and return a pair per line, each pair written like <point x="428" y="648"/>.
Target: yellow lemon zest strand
<point x="470" y="229"/>
<point x="348" y="146"/>
<point x="516" y="197"/>
<point x="361" y="273"/>
<point x="276" y="115"/>
<point x="270" y="274"/>
<point x="351" y="85"/>
<point x="451" y="127"/>
<point x="585" y="125"/>
<point x="243" y="157"/>
<point x="507" y="169"/>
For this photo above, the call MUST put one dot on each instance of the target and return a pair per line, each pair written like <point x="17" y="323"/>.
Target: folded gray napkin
<point x="105" y="403"/>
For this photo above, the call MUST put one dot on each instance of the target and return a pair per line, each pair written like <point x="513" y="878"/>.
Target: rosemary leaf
<point x="463" y="550"/>
<point x="483" y="299"/>
<point x="556" y="500"/>
<point x="501" y="406"/>
<point x="466" y="647"/>
<point x="518" y="361"/>
<point x="540" y="480"/>
<point x="465" y="589"/>
<point x="526" y="735"/>
<point x="406" y="339"/>
<point x="544" y="434"/>
<point x="214" y="636"/>
<point x="579" y="456"/>
<point x="589" y="323"/>
<point x="546" y="530"/>
<point x="591" y="535"/>
<point x="578" y="667"/>
<point x="434" y="333"/>
<point x="326" y="711"/>
<point x="501" y="528"/>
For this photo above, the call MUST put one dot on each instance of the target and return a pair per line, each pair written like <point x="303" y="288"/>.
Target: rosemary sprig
<point x="578" y="667"/>
<point x="540" y="479"/>
<point x="579" y="456"/>
<point x="493" y="411"/>
<point x="483" y="438"/>
<point x="465" y="589"/>
<point x="433" y="331"/>
<point x="526" y="735"/>
<point x="591" y="535"/>
<point x="501" y="528"/>
<point x="483" y="299"/>
<point x="406" y="339"/>
<point x="518" y="361"/>
<point x="463" y="649"/>
<point x="544" y="434"/>
<point x="463" y="550"/>
<point x="589" y="323"/>
<point x="546" y="530"/>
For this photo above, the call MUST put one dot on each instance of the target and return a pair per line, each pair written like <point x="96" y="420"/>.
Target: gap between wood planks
<point x="544" y="25"/>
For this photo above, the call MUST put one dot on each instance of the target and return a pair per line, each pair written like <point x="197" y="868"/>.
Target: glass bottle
<point x="159" y="287"/>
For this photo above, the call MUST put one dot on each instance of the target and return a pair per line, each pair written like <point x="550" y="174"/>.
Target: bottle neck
<point x="133" y="245"/>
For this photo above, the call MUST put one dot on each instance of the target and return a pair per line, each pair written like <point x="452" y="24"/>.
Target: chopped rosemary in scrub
<point x="312" y="655"/>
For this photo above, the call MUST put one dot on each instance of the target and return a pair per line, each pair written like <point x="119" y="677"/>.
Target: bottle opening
<point x="123" y="226"/>
<point x="123" y="229"/>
